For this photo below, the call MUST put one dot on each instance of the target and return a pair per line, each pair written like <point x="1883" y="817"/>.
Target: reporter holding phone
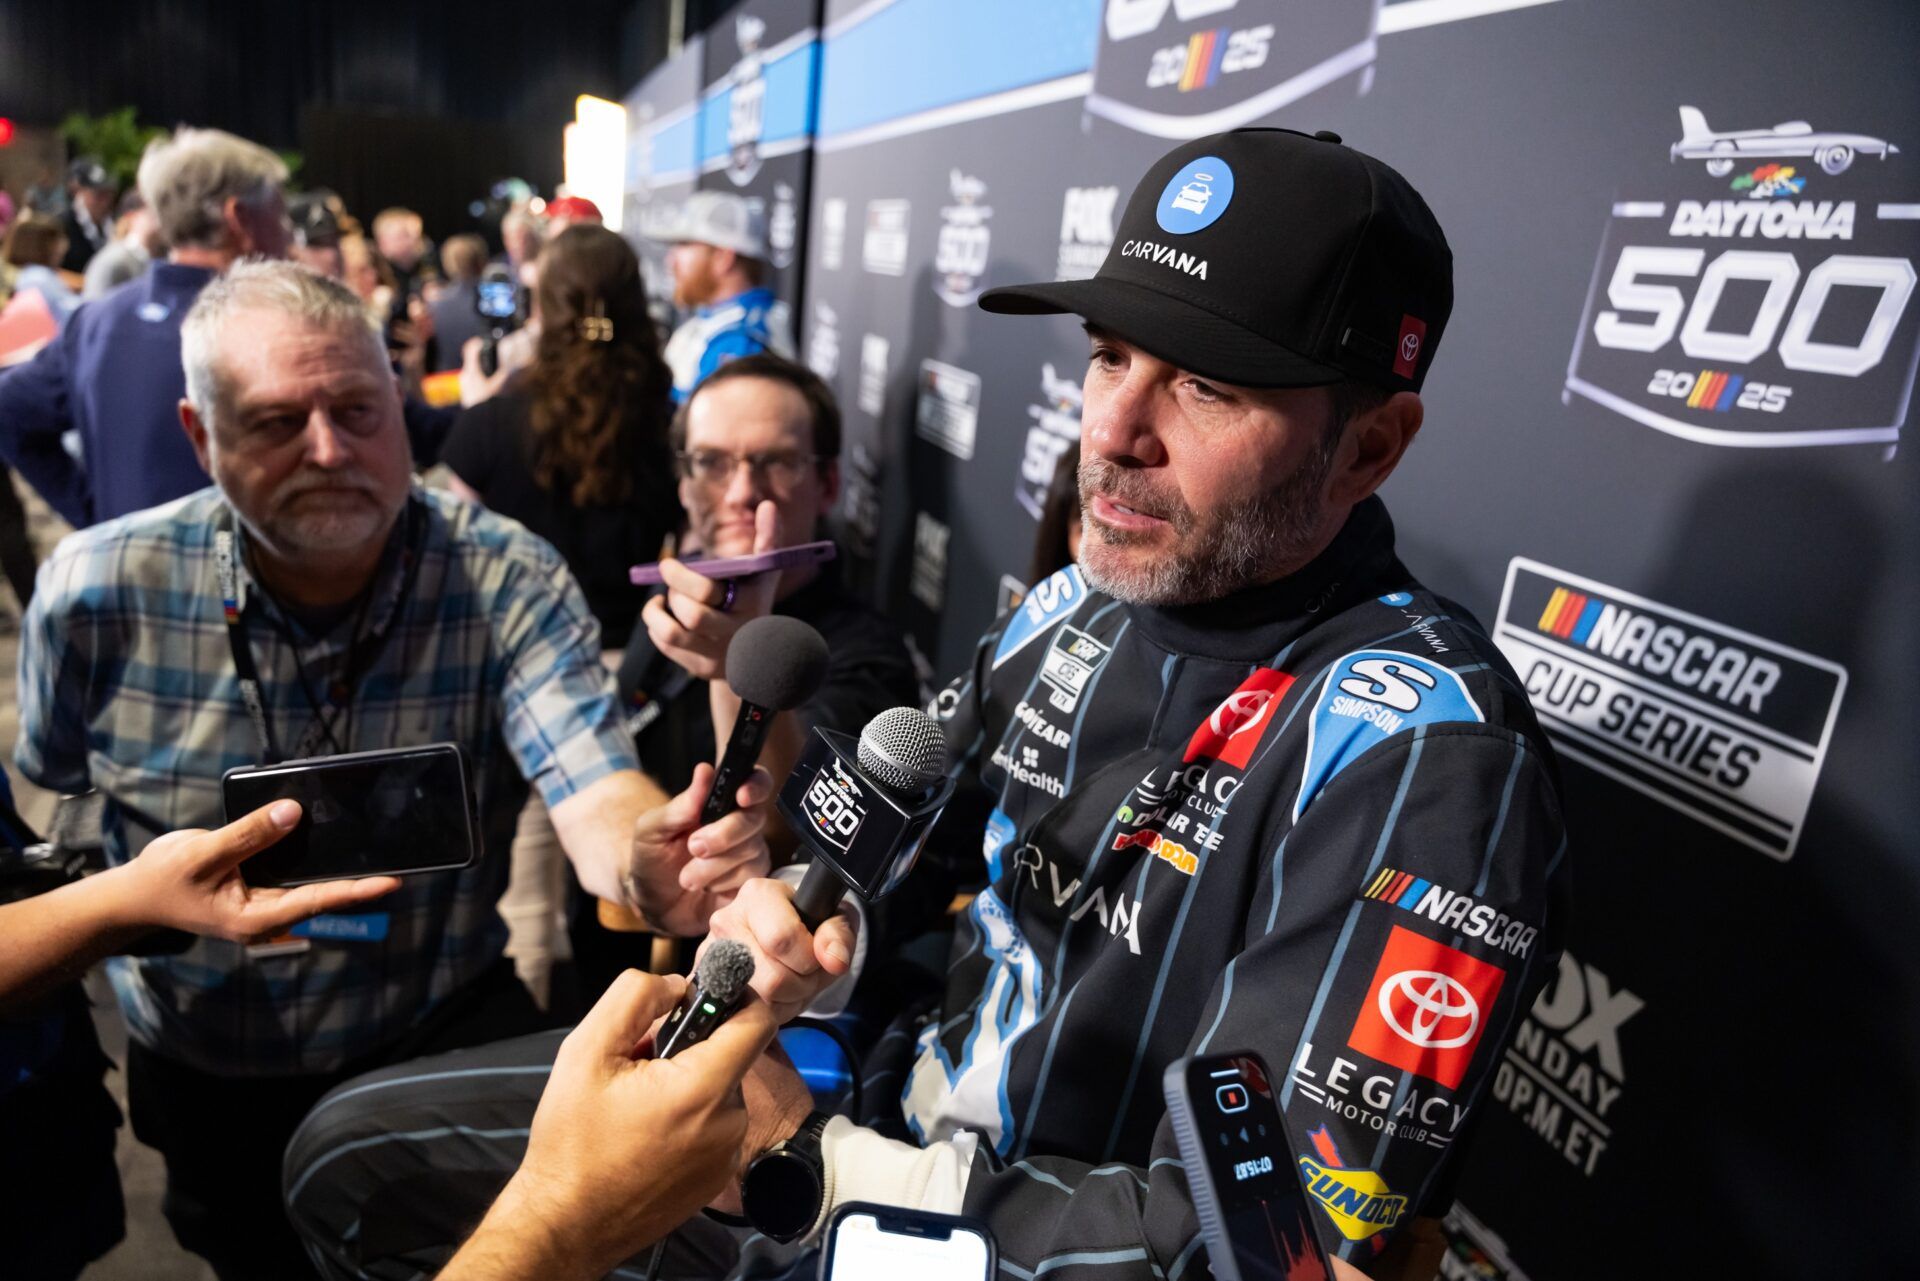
<point x="357" y="611"/>
<point x="188" y="880"/>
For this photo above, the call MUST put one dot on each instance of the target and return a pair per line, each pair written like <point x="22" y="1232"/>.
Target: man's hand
<point x="686" y="623"/>
<point x="475" y="384"/>
<point x="190" y="880"/>
<point x="778" y="1102"/>
<point x="681" y="873"/>
<point x="790" y="965"/>
<point x="621" y="1152"/>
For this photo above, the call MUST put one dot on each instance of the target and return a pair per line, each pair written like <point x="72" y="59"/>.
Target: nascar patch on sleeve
<point x="1369" y="696"/>
<point x="1046" y="604"/>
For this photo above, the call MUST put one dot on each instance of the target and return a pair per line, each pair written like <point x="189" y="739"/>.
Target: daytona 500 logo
<point x="1184" y="68"/>
<point x="1768" y="302"/>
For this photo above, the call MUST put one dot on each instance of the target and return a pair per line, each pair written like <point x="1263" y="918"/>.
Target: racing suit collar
<point x="1254" y="624"/>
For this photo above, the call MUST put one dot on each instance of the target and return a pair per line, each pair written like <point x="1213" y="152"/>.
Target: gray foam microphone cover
<point x="776" y="662"/>
<point x="725" y="970"/>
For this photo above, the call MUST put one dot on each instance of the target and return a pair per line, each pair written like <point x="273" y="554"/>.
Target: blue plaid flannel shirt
<point x="127" y="685"/>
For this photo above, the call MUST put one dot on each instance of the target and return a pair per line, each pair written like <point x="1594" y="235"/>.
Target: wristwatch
<point x="785" y="1185"/>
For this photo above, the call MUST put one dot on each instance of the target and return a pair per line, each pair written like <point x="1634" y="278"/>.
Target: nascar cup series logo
<point x="1763" y="299"/>
<point x="747" y="105"/>
<point x="960" y="254"/>
<point x="1055" y="430"/>
<point x="1726" y="727"/>
<point x="1187" y="68"/>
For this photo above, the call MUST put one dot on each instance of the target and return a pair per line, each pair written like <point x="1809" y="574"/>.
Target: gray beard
<point x="1256" y="540"/>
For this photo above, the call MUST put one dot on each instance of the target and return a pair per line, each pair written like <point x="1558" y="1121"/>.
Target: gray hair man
<point x="317" y="601"/>
<point x="113" y="375"/>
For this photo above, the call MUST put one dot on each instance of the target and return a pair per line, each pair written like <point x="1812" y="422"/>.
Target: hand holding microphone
<point x="691" y="854"/>
<point x="863" y="809"/>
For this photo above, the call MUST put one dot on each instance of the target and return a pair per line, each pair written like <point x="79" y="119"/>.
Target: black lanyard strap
<point x="360" y="657"/>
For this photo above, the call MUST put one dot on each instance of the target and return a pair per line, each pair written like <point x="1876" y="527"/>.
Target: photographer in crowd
<point x="316" y="601"/>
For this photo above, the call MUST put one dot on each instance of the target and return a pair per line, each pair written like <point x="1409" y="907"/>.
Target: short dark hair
<point x="823" y="412"/>
<point x="1352" y="399"/>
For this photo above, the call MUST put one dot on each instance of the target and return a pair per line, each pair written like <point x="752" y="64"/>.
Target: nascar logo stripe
<point x="1570" y="615"/>
<point x="1403" y="889"/>
<point x="1715" y="389"/>
<point x="1205" y="49"/>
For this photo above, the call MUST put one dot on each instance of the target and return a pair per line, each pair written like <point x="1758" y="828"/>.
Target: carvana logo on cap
<point x="1196" y="196"/>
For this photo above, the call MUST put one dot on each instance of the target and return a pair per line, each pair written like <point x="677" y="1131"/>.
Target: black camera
<point x="500" y="301"/>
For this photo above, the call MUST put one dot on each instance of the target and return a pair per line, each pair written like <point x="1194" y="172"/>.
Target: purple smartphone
<point x="743" y="566"/>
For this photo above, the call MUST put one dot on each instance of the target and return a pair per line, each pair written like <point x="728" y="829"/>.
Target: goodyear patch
<point x="1369" y="696"/>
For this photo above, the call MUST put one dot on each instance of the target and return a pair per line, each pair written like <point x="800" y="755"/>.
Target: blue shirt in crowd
<point x="742" y="325"/>
<point x="113" y="375"/>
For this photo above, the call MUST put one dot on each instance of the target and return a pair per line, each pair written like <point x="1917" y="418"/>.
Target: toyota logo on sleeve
<point x="1426" y="1007"/>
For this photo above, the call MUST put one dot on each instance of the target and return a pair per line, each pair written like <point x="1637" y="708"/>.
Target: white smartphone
<point x="881" y="1243"/>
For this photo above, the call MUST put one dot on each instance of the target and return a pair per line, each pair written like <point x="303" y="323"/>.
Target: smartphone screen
<point x="1262" y="1203"/>
<point x="365" y="814"/>
<point x="879" y="1245"/>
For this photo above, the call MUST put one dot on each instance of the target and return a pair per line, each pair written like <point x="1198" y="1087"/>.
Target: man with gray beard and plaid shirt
<point x="365" y="612"/>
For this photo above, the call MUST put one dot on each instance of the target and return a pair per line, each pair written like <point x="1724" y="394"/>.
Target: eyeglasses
<point x="781" y="468"/>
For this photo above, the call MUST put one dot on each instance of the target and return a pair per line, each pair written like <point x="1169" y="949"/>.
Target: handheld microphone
<point x="718" y="985"/>
<point x="774" y="664"/>
<point x="864" y="809"/>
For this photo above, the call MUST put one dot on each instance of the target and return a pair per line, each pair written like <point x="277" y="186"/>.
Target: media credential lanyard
<point x="339" y="694"/>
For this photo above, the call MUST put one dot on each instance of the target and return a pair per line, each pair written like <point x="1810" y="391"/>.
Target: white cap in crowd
<point x="723" y="220"/>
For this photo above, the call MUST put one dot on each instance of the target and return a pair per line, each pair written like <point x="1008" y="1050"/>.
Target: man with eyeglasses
<point x="757" y="448"/>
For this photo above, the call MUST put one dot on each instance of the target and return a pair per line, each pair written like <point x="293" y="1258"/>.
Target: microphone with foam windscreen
<point x="718" y="984"/>
<point x="864" y="808"/>
<point x="774" y="664"/>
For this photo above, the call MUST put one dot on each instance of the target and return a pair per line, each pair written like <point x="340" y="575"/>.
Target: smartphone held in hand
<point x="393" y="812"/>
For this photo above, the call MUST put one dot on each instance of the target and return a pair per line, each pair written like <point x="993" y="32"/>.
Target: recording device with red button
<point x="1240" y="1166"/>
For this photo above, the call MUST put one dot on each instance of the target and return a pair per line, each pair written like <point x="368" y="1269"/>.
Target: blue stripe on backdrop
<point x="788" y="109"/>
<point x="676" y="147"/>
<point x="913" y="56"/>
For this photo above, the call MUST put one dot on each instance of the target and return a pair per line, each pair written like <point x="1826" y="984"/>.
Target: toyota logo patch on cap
<point x="1268" y="258"/>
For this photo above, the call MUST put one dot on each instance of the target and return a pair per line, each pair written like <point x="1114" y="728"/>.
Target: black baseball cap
<point x="1268" y="258"/>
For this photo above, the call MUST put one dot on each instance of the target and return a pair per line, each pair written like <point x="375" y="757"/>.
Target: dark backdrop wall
<point x="1667" y="462"/>
<point x="421" y="104"/>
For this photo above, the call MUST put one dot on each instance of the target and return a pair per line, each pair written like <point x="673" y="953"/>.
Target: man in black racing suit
<point x="1247" y="785"/>
<point x="1307" y="813"/>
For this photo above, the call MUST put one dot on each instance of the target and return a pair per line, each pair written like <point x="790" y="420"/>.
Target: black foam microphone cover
<point x="774" y="664"/>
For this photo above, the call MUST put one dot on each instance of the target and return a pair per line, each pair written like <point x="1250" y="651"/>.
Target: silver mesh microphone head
<point x="903" y="749"/>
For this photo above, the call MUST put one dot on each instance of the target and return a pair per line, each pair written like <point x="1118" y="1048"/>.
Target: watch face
<point x="781" y="1194"/>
